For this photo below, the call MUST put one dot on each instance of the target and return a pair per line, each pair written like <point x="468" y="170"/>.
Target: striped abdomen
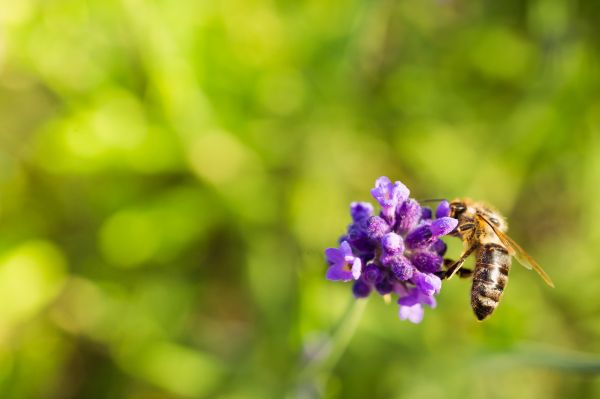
<point x="489" y="278"/>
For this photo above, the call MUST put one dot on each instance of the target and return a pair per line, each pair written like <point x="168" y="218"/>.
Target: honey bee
<point x="483" y="231"/>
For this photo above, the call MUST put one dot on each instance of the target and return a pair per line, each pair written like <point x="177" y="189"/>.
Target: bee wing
<point x="518" y="252"/>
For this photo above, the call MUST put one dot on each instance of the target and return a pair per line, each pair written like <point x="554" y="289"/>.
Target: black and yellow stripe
<point x="489" y="278"/>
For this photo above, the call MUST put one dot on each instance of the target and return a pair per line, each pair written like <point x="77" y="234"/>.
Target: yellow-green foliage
<point x="172" y="170"/>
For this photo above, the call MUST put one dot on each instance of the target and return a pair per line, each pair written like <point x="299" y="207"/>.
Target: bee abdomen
<point x="489" y="278"/>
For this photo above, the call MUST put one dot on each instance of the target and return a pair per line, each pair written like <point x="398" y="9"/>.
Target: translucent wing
<point x="523" y="257"/>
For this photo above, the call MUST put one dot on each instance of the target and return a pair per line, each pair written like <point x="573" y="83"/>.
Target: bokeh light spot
<point x="30" y="277"/>
<point x="129" y="238"/>
<point x="218" y="157"/>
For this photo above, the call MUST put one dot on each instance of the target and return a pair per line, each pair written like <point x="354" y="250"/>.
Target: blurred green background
<point x="171" y="172"/>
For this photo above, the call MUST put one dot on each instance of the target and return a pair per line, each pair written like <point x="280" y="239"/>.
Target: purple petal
<point x="427" y="262"/>
<point x="427" y="300"/>
<point x="338" y="274"/>
<point x="413" y="313"/>
<point x="377" y="227"/>
<point x="334" y="256"/>
<point x="409" y="299"/>
<point x="389" y="195"/>
<point x="408" y="215"/>
<point x="415" y="296"/>
<point x="443" y="226"/>
<point x="356" y="268"/>
<point x="400" y="290"/>
<point x="428" y="284"/>
<point x="382" y="190"/>
<point x="392" y="243"/>
<point x="346" y="249"/>
<point x="400" y="192"/>
<point x="443" y="210"/>
<point x="383" y="181"/>
<point x="361" y="211"/>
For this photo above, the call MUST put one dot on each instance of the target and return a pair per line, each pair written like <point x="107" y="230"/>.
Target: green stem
<point x="315" y="372"/>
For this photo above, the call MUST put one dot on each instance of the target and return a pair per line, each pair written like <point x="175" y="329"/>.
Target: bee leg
<point x="442" y="273"/>
<point x="464" y="273"/>
<point x="453" y="268"/>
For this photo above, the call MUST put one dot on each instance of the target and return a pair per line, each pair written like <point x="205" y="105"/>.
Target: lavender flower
<point x="427" y="261"/>
<point x="389" y="195"/>
<point x="400" y="249"/>
<point x="360" y="211"/>
<point x="411" y="305"/>
<point x="343" y="265"/>
<point x="377" y="227"/>
<point x="401" y="267"/>
<point x="408" y="215"/>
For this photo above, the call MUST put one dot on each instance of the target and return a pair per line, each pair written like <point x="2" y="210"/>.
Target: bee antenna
<point x="433" y="200"/>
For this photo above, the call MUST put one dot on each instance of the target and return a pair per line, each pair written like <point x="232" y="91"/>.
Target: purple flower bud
<point x="401" y="267"/>
<point x="358" y="237"/>
<point x="443" y="210"/>
<point x="427" y="262"/>
<point x="360" y="211"/>
<point x="384" y="287"/>
<point x="428" y="284"/>
<point x="356" y="232"/>
<point x="443" y="226"/>
<point x="377" y="227"/>
<point x="389" y="195"/>
<point x="360" y="289"/>
<point x="439" y="247"/>
<point x="419" y="237"/>
<point x="392" y="244"/>
<point x="426" y="212"/>
<point x="372" y="274"/>
<point x="408" y="215"/>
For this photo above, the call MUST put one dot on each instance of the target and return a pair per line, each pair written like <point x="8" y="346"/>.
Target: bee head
<point x="457" y="208"/>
